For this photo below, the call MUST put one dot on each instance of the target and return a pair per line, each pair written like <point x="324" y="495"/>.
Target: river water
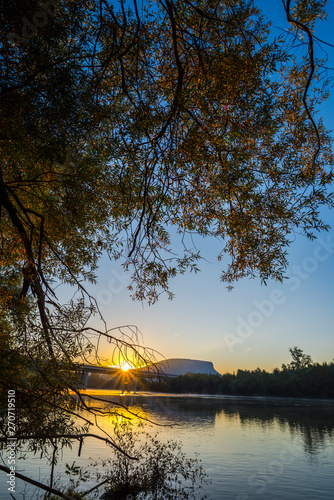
<point x="251" y="448"/>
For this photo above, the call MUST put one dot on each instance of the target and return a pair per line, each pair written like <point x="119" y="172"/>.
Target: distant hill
<point x="179" y="366"/>
<point x="173" y="366"/>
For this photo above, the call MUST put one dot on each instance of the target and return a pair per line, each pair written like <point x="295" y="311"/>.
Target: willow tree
<point x="123" y="125"/>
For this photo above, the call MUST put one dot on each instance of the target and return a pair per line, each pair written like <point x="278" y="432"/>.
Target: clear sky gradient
<point x="252" y="326"/>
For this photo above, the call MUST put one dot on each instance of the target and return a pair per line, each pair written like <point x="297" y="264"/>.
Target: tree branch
<point x="305" y="28"/>
<point x="37" y="483"/>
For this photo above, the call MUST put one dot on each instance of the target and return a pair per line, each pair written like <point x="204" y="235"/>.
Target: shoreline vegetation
<point x="315" y="382"/>
<point x="300" y="379"/>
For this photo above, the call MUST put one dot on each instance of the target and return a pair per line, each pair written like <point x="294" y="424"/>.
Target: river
<point x="251" y="448"/>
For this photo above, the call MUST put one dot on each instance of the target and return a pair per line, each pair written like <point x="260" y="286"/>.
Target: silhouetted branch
<point x="37" y="483"/>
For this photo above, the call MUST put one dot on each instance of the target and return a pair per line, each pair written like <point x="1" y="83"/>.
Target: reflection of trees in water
<point x="315" y="427"/>
<point x="313" y="424"/>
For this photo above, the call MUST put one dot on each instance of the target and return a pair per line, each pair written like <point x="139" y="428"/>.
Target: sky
<point x="253" y="325"/>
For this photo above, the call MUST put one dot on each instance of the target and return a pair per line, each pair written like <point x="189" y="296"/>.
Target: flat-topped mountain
<point x="173" y="366"/>
<point x="179" y="366"/>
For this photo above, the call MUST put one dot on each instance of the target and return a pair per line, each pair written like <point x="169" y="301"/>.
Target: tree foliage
<point x="122" y="126"/>
<point x="299" y="359"/>
<point x="118" y="124"/>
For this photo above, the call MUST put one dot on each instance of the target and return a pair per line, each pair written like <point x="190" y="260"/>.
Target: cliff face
<point x="177" y="366"/>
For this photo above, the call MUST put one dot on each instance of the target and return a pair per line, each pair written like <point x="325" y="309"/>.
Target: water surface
<point x="251" y="448"/>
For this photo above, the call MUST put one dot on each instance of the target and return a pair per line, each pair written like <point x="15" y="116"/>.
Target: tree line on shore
<point x="300" y="378"/>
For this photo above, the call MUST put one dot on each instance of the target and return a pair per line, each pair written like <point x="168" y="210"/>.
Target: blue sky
<point x="252" y="326"/>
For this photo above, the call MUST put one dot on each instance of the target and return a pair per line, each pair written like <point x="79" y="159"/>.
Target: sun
<point x="125" y="366"/>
